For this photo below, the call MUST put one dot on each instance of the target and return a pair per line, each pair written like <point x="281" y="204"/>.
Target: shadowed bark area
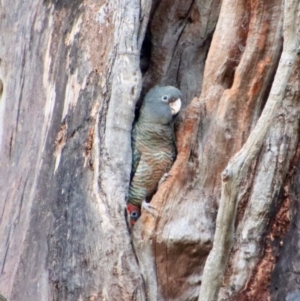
<point x="180" y="34"/>
<point x="239" y="70"/>
<point x="71" y="75"/>
<point x="270" y="194"/>
<point x="63" y="182"/>
<point x="285" y="276"/>
<point x="255" y="176"/>
<point x="177" y="268"/>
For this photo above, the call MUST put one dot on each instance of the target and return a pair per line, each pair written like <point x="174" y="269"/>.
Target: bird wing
<point x="139" y="182"/>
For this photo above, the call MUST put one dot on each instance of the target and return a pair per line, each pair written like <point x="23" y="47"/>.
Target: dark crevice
<point x="6" y="252"/>
<point x="145" y="54"/>
<point x="5" y="202"/>
<point x="267" y="91"/>
<point x="236" y="52"/>
<point x="1" y="86"/>
<point x="32" y="33"/>
<point x="155" y="5"/>
<point x="188" y="18"/>
<point x="183" y="24"/>
<point x="22" y="199"/>
<point x="10" y="145"/>
<point x="64" y="4"/>
<point x="22" y="87"/>
<point x="228" y="76"/>
<point x="175" y="46"/>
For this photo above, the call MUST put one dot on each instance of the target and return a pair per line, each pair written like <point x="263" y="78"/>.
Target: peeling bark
<point x="72" y="75"/>
<point x="63" y="181"/>
<point x="270" y="173"/>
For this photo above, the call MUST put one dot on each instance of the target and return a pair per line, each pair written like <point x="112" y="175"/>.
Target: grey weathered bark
<point x="2" y="298"/>
<point x="281" y="113"/>
<point x="239" y="70"/>
<point x="70" y="73"/>
<point x="70" y="79"/>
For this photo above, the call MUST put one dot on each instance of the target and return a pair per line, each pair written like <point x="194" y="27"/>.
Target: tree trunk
<point x="70" y="79"/>
<point x="270" y="168"/>
<point x="71" y="75"/>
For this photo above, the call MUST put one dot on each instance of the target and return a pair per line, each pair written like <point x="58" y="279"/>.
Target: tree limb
<point x="239" y="166"/>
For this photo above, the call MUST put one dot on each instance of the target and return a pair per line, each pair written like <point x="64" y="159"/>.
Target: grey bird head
<point x="161" y="104"/>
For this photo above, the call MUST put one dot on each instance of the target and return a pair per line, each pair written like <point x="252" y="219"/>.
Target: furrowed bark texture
<point x="70" y="76"/>
<point x="69" y="82"/>
<point x="285" y="276"/>
<point x="277" y="134"/>
<point x="180" y="32"/>
<point x="239" y="70"/>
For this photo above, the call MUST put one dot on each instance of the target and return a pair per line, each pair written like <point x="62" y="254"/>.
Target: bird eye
<point x="164" y="98"/>
<point x="134" y="214"/>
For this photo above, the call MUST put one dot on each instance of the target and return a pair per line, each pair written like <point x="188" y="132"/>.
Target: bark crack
<point x="22" y="87"/>
<point x="22" y="199"/>
<point x="6" y="252"/>
<point x="239" y="166"/>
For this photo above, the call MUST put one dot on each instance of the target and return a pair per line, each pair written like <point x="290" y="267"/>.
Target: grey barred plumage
<point x="153" y="145"/>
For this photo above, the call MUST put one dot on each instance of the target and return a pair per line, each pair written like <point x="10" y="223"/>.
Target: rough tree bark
<point x="70" y="80"/>
<point x="282" y="113"/>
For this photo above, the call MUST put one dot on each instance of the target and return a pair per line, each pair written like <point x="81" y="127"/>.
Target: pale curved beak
<point x="175" y="106"/>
